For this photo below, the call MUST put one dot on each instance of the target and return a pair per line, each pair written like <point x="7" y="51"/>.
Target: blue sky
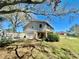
<point x="62" y="23"/>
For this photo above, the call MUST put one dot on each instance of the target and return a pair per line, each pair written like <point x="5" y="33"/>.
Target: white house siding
<point x="30" y="35"/>
<point x="34" y="26"/>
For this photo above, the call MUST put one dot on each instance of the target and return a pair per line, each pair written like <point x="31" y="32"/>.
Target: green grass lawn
<point x="66" y="48"/>
<point x="67" y="42"/>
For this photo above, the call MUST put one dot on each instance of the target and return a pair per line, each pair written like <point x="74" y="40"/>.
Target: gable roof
<point x="40" y="22"/>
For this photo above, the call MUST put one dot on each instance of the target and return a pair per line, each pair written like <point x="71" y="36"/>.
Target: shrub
<point x="52" y="37"/>
<point x="5" y="41"/>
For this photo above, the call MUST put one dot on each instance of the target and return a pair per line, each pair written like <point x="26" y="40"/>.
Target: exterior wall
<point x="35" y="26"/>
<point x="31" y="31"/>
<point x="30" y="35"/>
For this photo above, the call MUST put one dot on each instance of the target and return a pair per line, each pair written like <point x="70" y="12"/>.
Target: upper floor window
<point x="40" y="26"/>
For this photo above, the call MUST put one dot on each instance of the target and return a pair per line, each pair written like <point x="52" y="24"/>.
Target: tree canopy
<point x="27" y="8"/>
<point x="6" y="3"/>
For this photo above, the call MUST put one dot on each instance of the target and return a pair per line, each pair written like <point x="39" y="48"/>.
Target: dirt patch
<point x="36" y="50"/>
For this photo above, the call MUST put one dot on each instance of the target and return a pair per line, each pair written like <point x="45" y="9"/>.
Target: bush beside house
<point x="52" y="37"/>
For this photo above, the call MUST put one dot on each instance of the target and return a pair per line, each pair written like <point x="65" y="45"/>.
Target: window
<point x="32" y="27"/>
<point x="40" y="26"/>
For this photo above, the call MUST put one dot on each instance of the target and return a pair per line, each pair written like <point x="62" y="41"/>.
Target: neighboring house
<point x="9" y="34"/>
<point x="37" y="29"/>
<point x="74" y="30"/>
<point x="62" y="33"/>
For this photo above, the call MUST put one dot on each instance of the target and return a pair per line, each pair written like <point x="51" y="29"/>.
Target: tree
<point x="16" y="20"/>
<point x="4" y="3"/>
<point x="1" y="20"/>
<point x="35" y="7"/>
<point x="8" y="9"/>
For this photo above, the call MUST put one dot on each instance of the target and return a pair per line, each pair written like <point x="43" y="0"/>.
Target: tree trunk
<point x="14" y="28"/>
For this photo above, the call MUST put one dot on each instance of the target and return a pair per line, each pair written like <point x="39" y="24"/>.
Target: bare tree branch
<point x="13" y="2"/>
<point x="11" y="11"/>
